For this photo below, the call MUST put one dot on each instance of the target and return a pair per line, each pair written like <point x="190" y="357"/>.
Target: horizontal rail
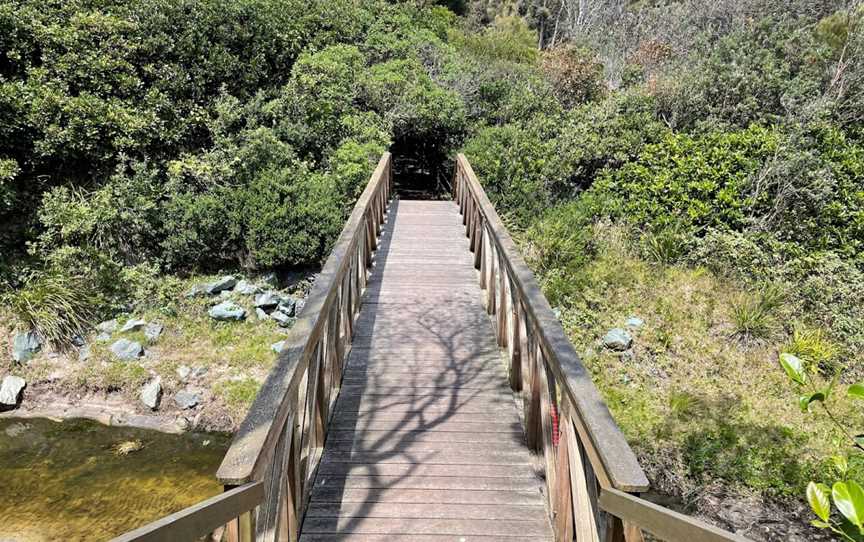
<point x="661" y="522"/>
<point x="201" y="519"/>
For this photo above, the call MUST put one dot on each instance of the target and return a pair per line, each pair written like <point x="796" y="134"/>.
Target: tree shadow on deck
<point x="424" y="392"/>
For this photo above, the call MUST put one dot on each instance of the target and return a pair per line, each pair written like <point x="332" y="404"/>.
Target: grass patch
<point x="698" y="408"/>
<point x="237" y="394"/>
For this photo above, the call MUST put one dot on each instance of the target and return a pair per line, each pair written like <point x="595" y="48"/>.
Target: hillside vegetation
<point x="696" y="165"/>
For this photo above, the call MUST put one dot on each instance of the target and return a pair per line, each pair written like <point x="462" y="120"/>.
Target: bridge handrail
<point x="201" y="519"/>
<point x="281" y="439"/>
<point x="590" y="467"/>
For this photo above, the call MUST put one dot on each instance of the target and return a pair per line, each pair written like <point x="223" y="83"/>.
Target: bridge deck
<point x="425" y="443"/>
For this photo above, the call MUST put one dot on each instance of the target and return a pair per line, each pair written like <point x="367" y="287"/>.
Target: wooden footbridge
<point x="428" y="393"/>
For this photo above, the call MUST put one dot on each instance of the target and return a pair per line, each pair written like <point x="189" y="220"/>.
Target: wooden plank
<point x="201" y="519"/>
<point x="413" y="526"/>
<point x="428" y="469"/>
<point x="330" y="537"/>
<point x="471" y="483"/>
<point x="429" y="496"/>
<point x="413" y="456"/>
<point x="441" y="511"/>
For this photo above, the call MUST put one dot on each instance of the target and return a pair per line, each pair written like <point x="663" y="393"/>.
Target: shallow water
<point x="65" y="481"/>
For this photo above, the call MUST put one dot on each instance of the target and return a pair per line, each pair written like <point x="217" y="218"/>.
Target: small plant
<point x="814" y="348"/>
<point x="665" y="247"/>
<point x="847" y="495"/>
<point x="753" y="315"/>
<point x="57" y="307"/>
<point x="127" y="447"/>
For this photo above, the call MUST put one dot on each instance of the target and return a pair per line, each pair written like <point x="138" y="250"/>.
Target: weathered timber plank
<point x="441" y="511"/>
<point x="471" y="483"/>
<point x="427" y="496"/>
<point x="413" y="526"/>
<point x="428" y="456"/>
<point x="330" y="537"/>
<point x="428" y="469"/>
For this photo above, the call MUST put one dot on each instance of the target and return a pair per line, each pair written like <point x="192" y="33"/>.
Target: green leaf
<point x="805" y="400"/>
<point x="820" y="524"/>
<point x="820" y="502"/>
<point x="856" y="391"/>
<point x="793" y="367"/>
<point x="849" y="499"/>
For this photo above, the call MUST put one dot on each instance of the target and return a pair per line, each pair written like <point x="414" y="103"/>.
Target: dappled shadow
<point x="424" y="388"/>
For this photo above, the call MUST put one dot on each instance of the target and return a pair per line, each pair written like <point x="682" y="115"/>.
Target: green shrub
<point x="58" y="307"/>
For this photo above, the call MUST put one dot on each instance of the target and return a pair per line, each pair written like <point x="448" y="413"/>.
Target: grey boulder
<point x="267" y="300"/>
<point x="277" y="347"/>
<point x="153" y="331"/>
<point x="246" y="288"/>
<point x="183" y="372"/>
<point x="126" y="350"/>
<point x="634" y="322"/>
<point x="288" y="305"/>
<point x="133" y="324"/>
<point x="227" y="311"/>
<point x="25" y="346"/>
<point x="282" y="319"/>
<point x="298" y="306"/>
<point x="225" y="283"/>
<point x="151" y="393"/>
<point x="186" y="399"/>
<point x="261" y="313"/>
<point x="617" y="339"/>
<point x="108" y="326"/>
<point x="198" y="290"/>
<point x="10" y="390"/>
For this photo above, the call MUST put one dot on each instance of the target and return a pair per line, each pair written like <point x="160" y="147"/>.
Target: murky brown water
<point x="65" y="481"/>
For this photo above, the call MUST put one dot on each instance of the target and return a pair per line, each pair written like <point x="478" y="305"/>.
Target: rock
<point x="617" y="339"/>
<point x="103" y="337"/>
<point x="227" y="311"/>
<point x="17" y="429"/>
<point x="198" y="290"/>
<point x="183" y="424"/>
<point x="277" y="347"/>
<point x="198" y="372"/>
<point x="25" y="346"/>
<point x="10" y="390"/>
<point x="133" y="324"/>
<point x="281" y="318"/>
<point x="287" y="305"/>
<point x="108" y="326"/>
<point x="267" y="300"/>
<point x="261" y="313"/>
<point x="151" y="393"/>
<point x="84" y="353"/>
<point x="634" y="322"/>
<point x="186" y="399"/>
<point x="557" y="312"/>
<point x="225" y="283"/>
<point x="298" y="306"/>
<point x="246" y="288"/>
<point x="78" y="341"/>
<point x="225" y="294"/>
<point x="183" y="372"/>
<point x="126" y="350"/>
<point x="153" y="331"/>
<point x="270" y="279"/>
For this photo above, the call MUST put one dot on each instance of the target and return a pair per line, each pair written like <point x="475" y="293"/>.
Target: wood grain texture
<point x="425" y="440"/>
